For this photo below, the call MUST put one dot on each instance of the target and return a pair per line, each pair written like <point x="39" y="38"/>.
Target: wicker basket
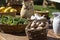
<point x="11" y="13"/>
<point x="36" y="34"/>
<point x="13" y="28"/>
<point x="42" y="13"/>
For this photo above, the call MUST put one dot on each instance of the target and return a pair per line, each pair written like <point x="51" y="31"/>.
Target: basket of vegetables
<point x="37" y="30"/>
<point x="12" y="24"/>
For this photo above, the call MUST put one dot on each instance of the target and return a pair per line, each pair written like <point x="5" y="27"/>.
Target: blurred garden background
<point x="38" y="5"/>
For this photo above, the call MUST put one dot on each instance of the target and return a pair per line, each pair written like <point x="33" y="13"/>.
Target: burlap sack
<point x="27" y="9"/>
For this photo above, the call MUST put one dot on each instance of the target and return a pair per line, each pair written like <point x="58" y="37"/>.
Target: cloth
<point x="58" y="1"/>
<point x="56" y="25"/>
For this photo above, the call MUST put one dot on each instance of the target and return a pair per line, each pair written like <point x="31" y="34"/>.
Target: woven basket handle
<point x="28" y="26"/>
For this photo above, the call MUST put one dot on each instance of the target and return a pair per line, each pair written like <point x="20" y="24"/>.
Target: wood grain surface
<point x="22" y="36"/>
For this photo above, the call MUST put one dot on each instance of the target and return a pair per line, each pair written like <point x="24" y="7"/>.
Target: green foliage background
<point x="2" y="2"/>
<point x="49" y="8"/>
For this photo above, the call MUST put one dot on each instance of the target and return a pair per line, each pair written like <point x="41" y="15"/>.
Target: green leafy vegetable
<point x="13" y="20"/>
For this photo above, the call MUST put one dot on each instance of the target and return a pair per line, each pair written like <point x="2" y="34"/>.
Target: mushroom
<point x="42" y="24"/>
<point x="39" y="28"/>
<point x="33" y="23"/>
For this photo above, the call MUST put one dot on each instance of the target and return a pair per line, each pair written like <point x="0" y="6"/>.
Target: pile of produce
<point x="9" y="20"/>
<point x="37" y="24"/>
<point x="7" y="9"/>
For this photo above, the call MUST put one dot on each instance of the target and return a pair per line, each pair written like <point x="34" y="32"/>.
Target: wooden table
<point x="50" y="35"/>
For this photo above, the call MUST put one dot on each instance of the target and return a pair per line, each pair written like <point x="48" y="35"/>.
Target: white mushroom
<point x="39" y="28"/>
<point x="32" y="29"/>
<point x="37" y="23"/>
<point x="33" y="23"/>
<point x="41" y="24"/>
